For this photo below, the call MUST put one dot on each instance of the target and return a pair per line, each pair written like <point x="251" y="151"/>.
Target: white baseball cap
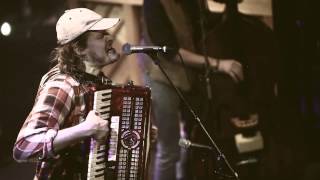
<point x="75" y="22"/>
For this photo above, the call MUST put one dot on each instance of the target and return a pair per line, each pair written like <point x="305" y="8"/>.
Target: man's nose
<point x="109" y="41"/>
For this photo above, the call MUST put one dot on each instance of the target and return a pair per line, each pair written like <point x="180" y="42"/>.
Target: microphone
<point x="185" y="143"/>
<point x="129" y="49"/>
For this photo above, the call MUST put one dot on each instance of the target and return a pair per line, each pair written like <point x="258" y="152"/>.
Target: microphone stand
<point x="207" y="72"/>
<point x="204" y="51"/>
<point x="221" y="156"/>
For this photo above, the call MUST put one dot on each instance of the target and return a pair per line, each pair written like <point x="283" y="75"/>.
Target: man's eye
<point x="108" y="37"/>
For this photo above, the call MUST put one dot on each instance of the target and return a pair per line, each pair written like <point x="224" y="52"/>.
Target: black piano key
<point x="104" y="112"/>
<point x="101" y="162"/>
<point x="101" y="169"/>
<point x="98" y="175"/>
<point x="106" y="93"/>
<point x="101" y="151"/>
<point x="100" y="157"/>
<point x="104" y="107"/>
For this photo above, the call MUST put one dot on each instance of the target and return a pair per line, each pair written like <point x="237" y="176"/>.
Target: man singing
<point x="60" y="118"/>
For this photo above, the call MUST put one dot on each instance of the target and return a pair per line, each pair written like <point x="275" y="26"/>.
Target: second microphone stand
<point x="221" y="156"/>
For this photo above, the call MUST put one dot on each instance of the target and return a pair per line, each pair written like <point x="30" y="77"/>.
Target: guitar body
<point x="231" y="35"/>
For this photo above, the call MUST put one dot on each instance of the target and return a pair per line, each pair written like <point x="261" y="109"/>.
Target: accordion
<point x="124" y="155"/>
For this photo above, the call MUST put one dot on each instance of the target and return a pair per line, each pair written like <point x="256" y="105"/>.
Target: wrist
<point x="86" y="130"/>
<point x="215" y="63"/>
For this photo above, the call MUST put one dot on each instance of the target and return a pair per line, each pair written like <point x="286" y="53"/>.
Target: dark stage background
<point x="24" y="58"/>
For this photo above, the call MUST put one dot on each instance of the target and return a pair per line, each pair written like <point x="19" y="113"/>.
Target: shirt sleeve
<point x="159" y="27"/>
<point x="36" y="136"/>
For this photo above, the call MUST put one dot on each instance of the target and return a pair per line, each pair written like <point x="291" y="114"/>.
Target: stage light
<point x="5" y="29"/>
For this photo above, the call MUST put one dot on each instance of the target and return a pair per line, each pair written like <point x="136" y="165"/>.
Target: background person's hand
<point x="231" y="67"/>
<point x="154" y="134"/>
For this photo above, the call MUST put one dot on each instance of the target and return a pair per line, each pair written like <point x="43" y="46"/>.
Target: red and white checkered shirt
<point x="60" y="103"/>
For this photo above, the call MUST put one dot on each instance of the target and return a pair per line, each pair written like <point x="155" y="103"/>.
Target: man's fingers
<point x="238" y="74"/>
<point x="233" y="76"/>
<point x="101" y="141"/>
<point x="237" y="70"/>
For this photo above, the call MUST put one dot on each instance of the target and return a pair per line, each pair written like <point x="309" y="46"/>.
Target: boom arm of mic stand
<point x="155" y="59"/>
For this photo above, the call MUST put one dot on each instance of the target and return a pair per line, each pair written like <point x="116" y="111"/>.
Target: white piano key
<point x="105" y="116"/>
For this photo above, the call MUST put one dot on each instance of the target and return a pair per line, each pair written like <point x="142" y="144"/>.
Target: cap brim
<point x="105" y="23"/>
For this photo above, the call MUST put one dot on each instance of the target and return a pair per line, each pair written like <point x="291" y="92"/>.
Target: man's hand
<point x="154" y="134"/>
<point x="98" y="127"/>
<point x="231" y="67"/>
<point x="93" y="126"/>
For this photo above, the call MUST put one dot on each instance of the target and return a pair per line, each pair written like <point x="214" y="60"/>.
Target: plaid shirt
<point x="60" y="103"/>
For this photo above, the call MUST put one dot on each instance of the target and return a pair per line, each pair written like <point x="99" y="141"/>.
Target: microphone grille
<point x="126" y="49"/>
<point x="184" y="143"/>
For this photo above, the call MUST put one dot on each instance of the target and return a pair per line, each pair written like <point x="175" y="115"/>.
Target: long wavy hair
<point x="69" y="57"/>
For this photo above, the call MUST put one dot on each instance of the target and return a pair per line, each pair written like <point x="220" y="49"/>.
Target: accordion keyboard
<point x="97" y="161"/>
